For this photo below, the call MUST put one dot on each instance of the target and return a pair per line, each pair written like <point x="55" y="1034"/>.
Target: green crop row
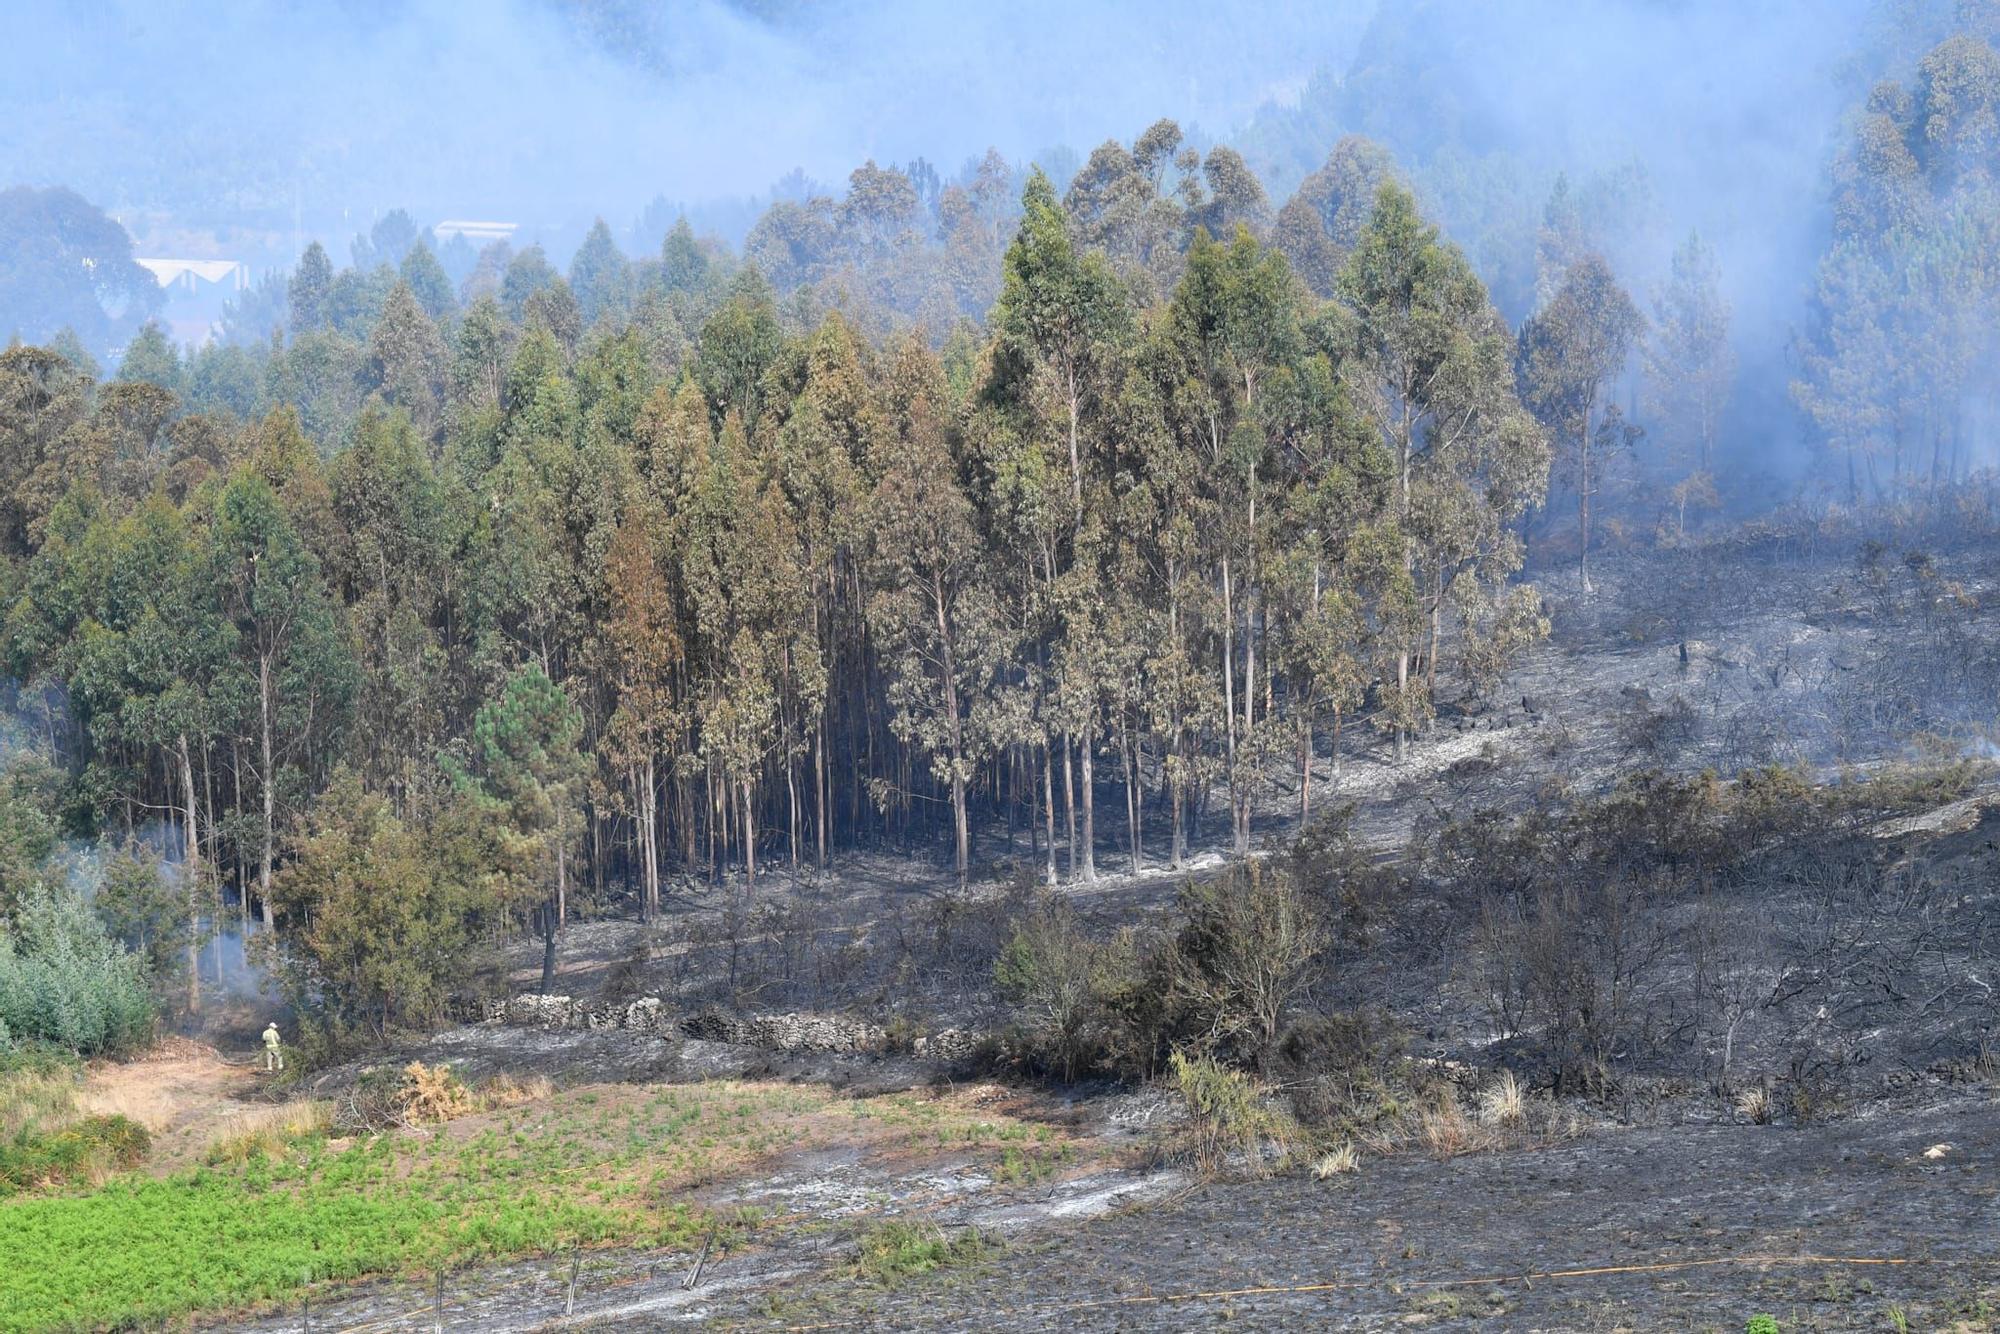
<point x="149" y="1249"/>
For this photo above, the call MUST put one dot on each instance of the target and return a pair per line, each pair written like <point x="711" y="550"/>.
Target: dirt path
<point x="187" y="1096"/>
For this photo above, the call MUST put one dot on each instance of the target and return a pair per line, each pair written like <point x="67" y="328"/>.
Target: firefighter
<point x="274" y="1057"/>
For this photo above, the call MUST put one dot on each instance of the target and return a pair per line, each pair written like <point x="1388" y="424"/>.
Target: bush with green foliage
<point x="29" y="797"/>
<point x="63" y="980"/>
<point x="144" y="909"/>
<point x="896" y="1251"/>
<point x="1063" y="981"/>
<point x="1250" y="943"/>
<point x="381" y="913"/>
<point x="1225" y="1116"/>
<point x="94" y="1146"/>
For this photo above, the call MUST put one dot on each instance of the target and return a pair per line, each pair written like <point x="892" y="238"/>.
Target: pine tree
<point x="310" y="291"/>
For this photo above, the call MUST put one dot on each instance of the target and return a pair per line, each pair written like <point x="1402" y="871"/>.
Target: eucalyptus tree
<point x="1235" y="319"/>
<point x="1063" y="325"/>
<point x="407" y="360"/>
<point x="1061" y="311"/>
<point x="1571" y="352"/>
<point x="1431" y="370"/>
<point x="737" y="345"/>
<point x="42" y="397"/>
<point x="121" y="610"/>
<point x="526" y="751"/>
<point x="1319" y="225"/>
<point x="821" y="457"/>
<point x="396" y="570"/>
<point x="289" y="635"/>
<point x="646" y="656"/>
<point x="944" y="637"/>
<point x="601" y="277"/>
<point x="428" y="282"/>
<point x="310" y="290"/>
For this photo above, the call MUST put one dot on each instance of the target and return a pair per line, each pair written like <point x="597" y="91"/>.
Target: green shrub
<point x="897" y="1251"/>
<point x="1061" y="980"/>
<point x="1761" y="1324"/>
<point x="1224" y="1113"/>
<point x="1250" y="942"/>
<point x="63" y="980"/>
<point x="96" y="1146"/>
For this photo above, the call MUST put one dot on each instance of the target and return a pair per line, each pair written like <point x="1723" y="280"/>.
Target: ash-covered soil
<point x="1824" y="1227"/>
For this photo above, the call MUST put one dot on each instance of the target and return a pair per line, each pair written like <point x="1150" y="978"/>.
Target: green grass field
<point x="589" y="1167"/>
<point x="146" y="1249"/>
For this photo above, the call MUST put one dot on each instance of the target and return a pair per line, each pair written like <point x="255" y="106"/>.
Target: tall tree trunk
<point x="1403" y="694"/>
<point x="792" y="790"/>
<point x="948" y="701"/>
<point x="1075" y="452"/>
<point x="714" y="821"/>
<point x="961" y="826"/>
<point x="1305" y="770"/>
<point x="191" y="867"/>
<point x="1131" y="798"/>
<point x="1089" y="786"/>
<point x="1229" y="707"/>
<point x="1069" y="802"/>
<point x="548" y="947"/>
<point x="270" y="783"/>
<point x="215" y="876"/>
<point x="1250" y="620"/>
<point x="1049" y="809"/>
<point x="819" y="785"/>
<point x="1584" y="460"/>
<point x="649" y="839"/>
<point x="1437" y="633"/>
<point x="242" y="871"/>
<point x="749" y="834"/>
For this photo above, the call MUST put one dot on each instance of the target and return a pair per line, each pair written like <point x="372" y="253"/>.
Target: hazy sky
<point x="517" y="106"/>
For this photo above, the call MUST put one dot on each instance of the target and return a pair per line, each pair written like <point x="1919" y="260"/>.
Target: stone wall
<point x="770" y="1032"/>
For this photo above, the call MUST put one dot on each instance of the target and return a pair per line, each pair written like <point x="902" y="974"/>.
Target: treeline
<point x="1896" y="366"/>
<point x="792" y="594"/>
<point x="445" y="606"/>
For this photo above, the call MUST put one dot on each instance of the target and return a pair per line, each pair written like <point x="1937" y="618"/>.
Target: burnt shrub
<point x="1342" y="1069"/>
<point x="1063" y="982"/>
<point x="1658" y="729"/>
<point x="1249" y="944"/>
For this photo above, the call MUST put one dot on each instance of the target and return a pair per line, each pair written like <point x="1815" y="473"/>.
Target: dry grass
<point x="1337" y="1162"/>
<point x="1228" y="1119"/>
<point x="1446" y="1130"/>
<point x="263" y="1132"/>
<point x="1504" y="1102"/>
<point x="152" y="1112"/>
<point x="38" y="1101"/>
<point x="506" y="1090"/>
<point x="1755" y="1103"/>
<point x="183" y="1093"/>
<point x="433" y="1094"/>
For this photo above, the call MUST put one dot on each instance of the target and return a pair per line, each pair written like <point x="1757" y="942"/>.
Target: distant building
<point x="185" y="272"/>
<point x="476" y="231"/>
